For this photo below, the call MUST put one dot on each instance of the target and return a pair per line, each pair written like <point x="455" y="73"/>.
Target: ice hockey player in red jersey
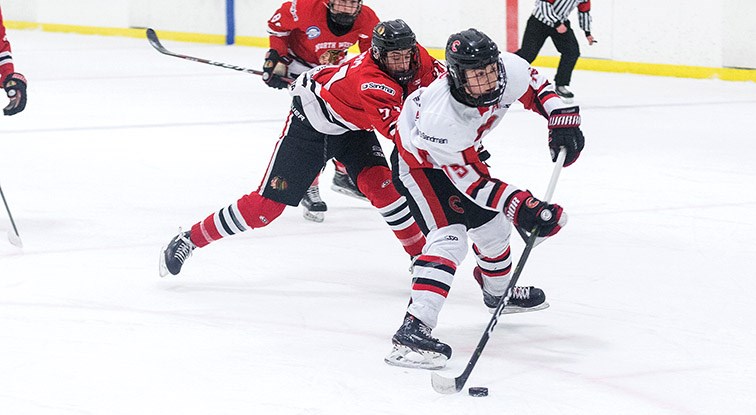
<point x="308" y="33"/>
<point x="334" y="114"/>
<point x="452" y="194"/>
<point x="13" y="82"/>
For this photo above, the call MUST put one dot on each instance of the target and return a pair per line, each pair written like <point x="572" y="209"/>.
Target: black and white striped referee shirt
<point x="553" y="12"/>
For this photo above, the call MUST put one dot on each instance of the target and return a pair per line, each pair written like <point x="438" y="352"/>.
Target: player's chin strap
<point x="442" y="384"/>
<point x="549" y="193"/>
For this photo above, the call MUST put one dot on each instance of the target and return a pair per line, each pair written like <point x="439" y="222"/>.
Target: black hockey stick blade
<point x="155" y="42"/>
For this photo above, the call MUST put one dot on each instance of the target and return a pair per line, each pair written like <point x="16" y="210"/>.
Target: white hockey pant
<point x="433" y="273"/>
<point x="444" y="250"/>
<point x="492" y="253"/>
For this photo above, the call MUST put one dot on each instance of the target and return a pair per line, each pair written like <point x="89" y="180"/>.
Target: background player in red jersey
<point x="13" y="82"/>
<point x="308" y="33"/>
<point x="335" y="110"/>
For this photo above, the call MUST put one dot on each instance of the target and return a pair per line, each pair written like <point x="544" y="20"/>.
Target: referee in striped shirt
<point x="549" y="19"/>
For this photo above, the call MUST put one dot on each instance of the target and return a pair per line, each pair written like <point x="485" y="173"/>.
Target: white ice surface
<point x="650" y="284"/>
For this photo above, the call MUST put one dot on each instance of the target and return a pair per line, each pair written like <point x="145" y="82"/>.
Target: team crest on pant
<point x="278" y="183"/>
<point x="456" y="204"/>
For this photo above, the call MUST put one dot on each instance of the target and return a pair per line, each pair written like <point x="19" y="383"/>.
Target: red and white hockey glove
<point x="564" y="131"/>
<point x="15" y="87"/>
<point x="525" y="212"/>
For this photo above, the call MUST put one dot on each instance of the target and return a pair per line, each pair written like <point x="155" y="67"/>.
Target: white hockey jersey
<point x="438" y="132"/>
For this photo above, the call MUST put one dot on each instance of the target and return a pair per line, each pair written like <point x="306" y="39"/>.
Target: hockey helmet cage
<point x="472" y="49"/>
<point x="343" y="19"/>
<point x="393" y="35"/>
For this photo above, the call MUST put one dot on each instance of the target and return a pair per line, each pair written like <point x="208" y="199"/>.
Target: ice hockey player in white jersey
<point x="453" y="196"/>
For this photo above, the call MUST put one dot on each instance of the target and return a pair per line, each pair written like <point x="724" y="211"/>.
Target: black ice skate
<point x="414" y="347"/>
<point x="523" y="299"/>
<point x="173" y="256"/>
<point x="343" y="184"/>
<point x="313" y="206"/>
<point x="564" y="93"/>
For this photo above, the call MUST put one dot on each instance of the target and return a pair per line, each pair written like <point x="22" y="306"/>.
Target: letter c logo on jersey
<point x="456" y="205"/>
<point x="455" y="46"/>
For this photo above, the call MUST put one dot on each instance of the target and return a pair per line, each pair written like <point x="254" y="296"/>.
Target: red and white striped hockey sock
<point x="249" y="212"/>
<point x="375" y="183"/>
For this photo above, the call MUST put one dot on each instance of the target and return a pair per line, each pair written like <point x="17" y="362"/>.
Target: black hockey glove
<point x="525" y="212"/>
<point x="15" y="87"/>
<point x="564" y="131"/>
<point x="274" y="69"/>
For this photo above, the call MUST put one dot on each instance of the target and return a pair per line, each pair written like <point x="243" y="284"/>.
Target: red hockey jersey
<point x="300" y="28"/>
<point x="358" y="95"/>
<point x="6" y="60"/>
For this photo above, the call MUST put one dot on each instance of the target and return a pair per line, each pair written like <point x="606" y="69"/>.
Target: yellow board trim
<point x="655" y="69"/>
<point x="121" y="32"/>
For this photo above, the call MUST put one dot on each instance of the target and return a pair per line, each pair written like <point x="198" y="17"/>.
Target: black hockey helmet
<point x="472" y="49"/>
<point x="343" y="19"/>
<point x="390" y="36"/>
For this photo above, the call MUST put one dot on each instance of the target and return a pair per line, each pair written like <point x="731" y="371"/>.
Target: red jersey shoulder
<point x="361" y="78"/>
<point x="366" y="21"/>
<point x="430" y="69"/>
<point x="369" y="70"/>
<point x="300" y="14"/>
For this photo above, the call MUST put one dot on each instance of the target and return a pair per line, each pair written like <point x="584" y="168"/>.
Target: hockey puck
<point x="478" y="391"/>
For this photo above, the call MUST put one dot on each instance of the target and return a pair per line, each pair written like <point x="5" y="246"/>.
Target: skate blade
<point x="348" y="192"/>
<point x="513" y="309"/>
<point x="403" y="356"/>
<point x="313" y="216"/>
<point x="566" y="100"/>
<point x="162" y="268"/>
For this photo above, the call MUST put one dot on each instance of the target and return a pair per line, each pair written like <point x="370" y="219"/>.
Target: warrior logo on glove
<point x="564" y="131"/>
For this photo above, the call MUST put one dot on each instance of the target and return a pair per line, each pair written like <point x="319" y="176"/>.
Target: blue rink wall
<point x="230" y="22"/>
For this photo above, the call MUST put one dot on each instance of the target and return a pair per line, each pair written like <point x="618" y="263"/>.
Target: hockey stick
<point x="446" y="385"/>
<point x="155" y="42"/>
<point x="13" y="237"/>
